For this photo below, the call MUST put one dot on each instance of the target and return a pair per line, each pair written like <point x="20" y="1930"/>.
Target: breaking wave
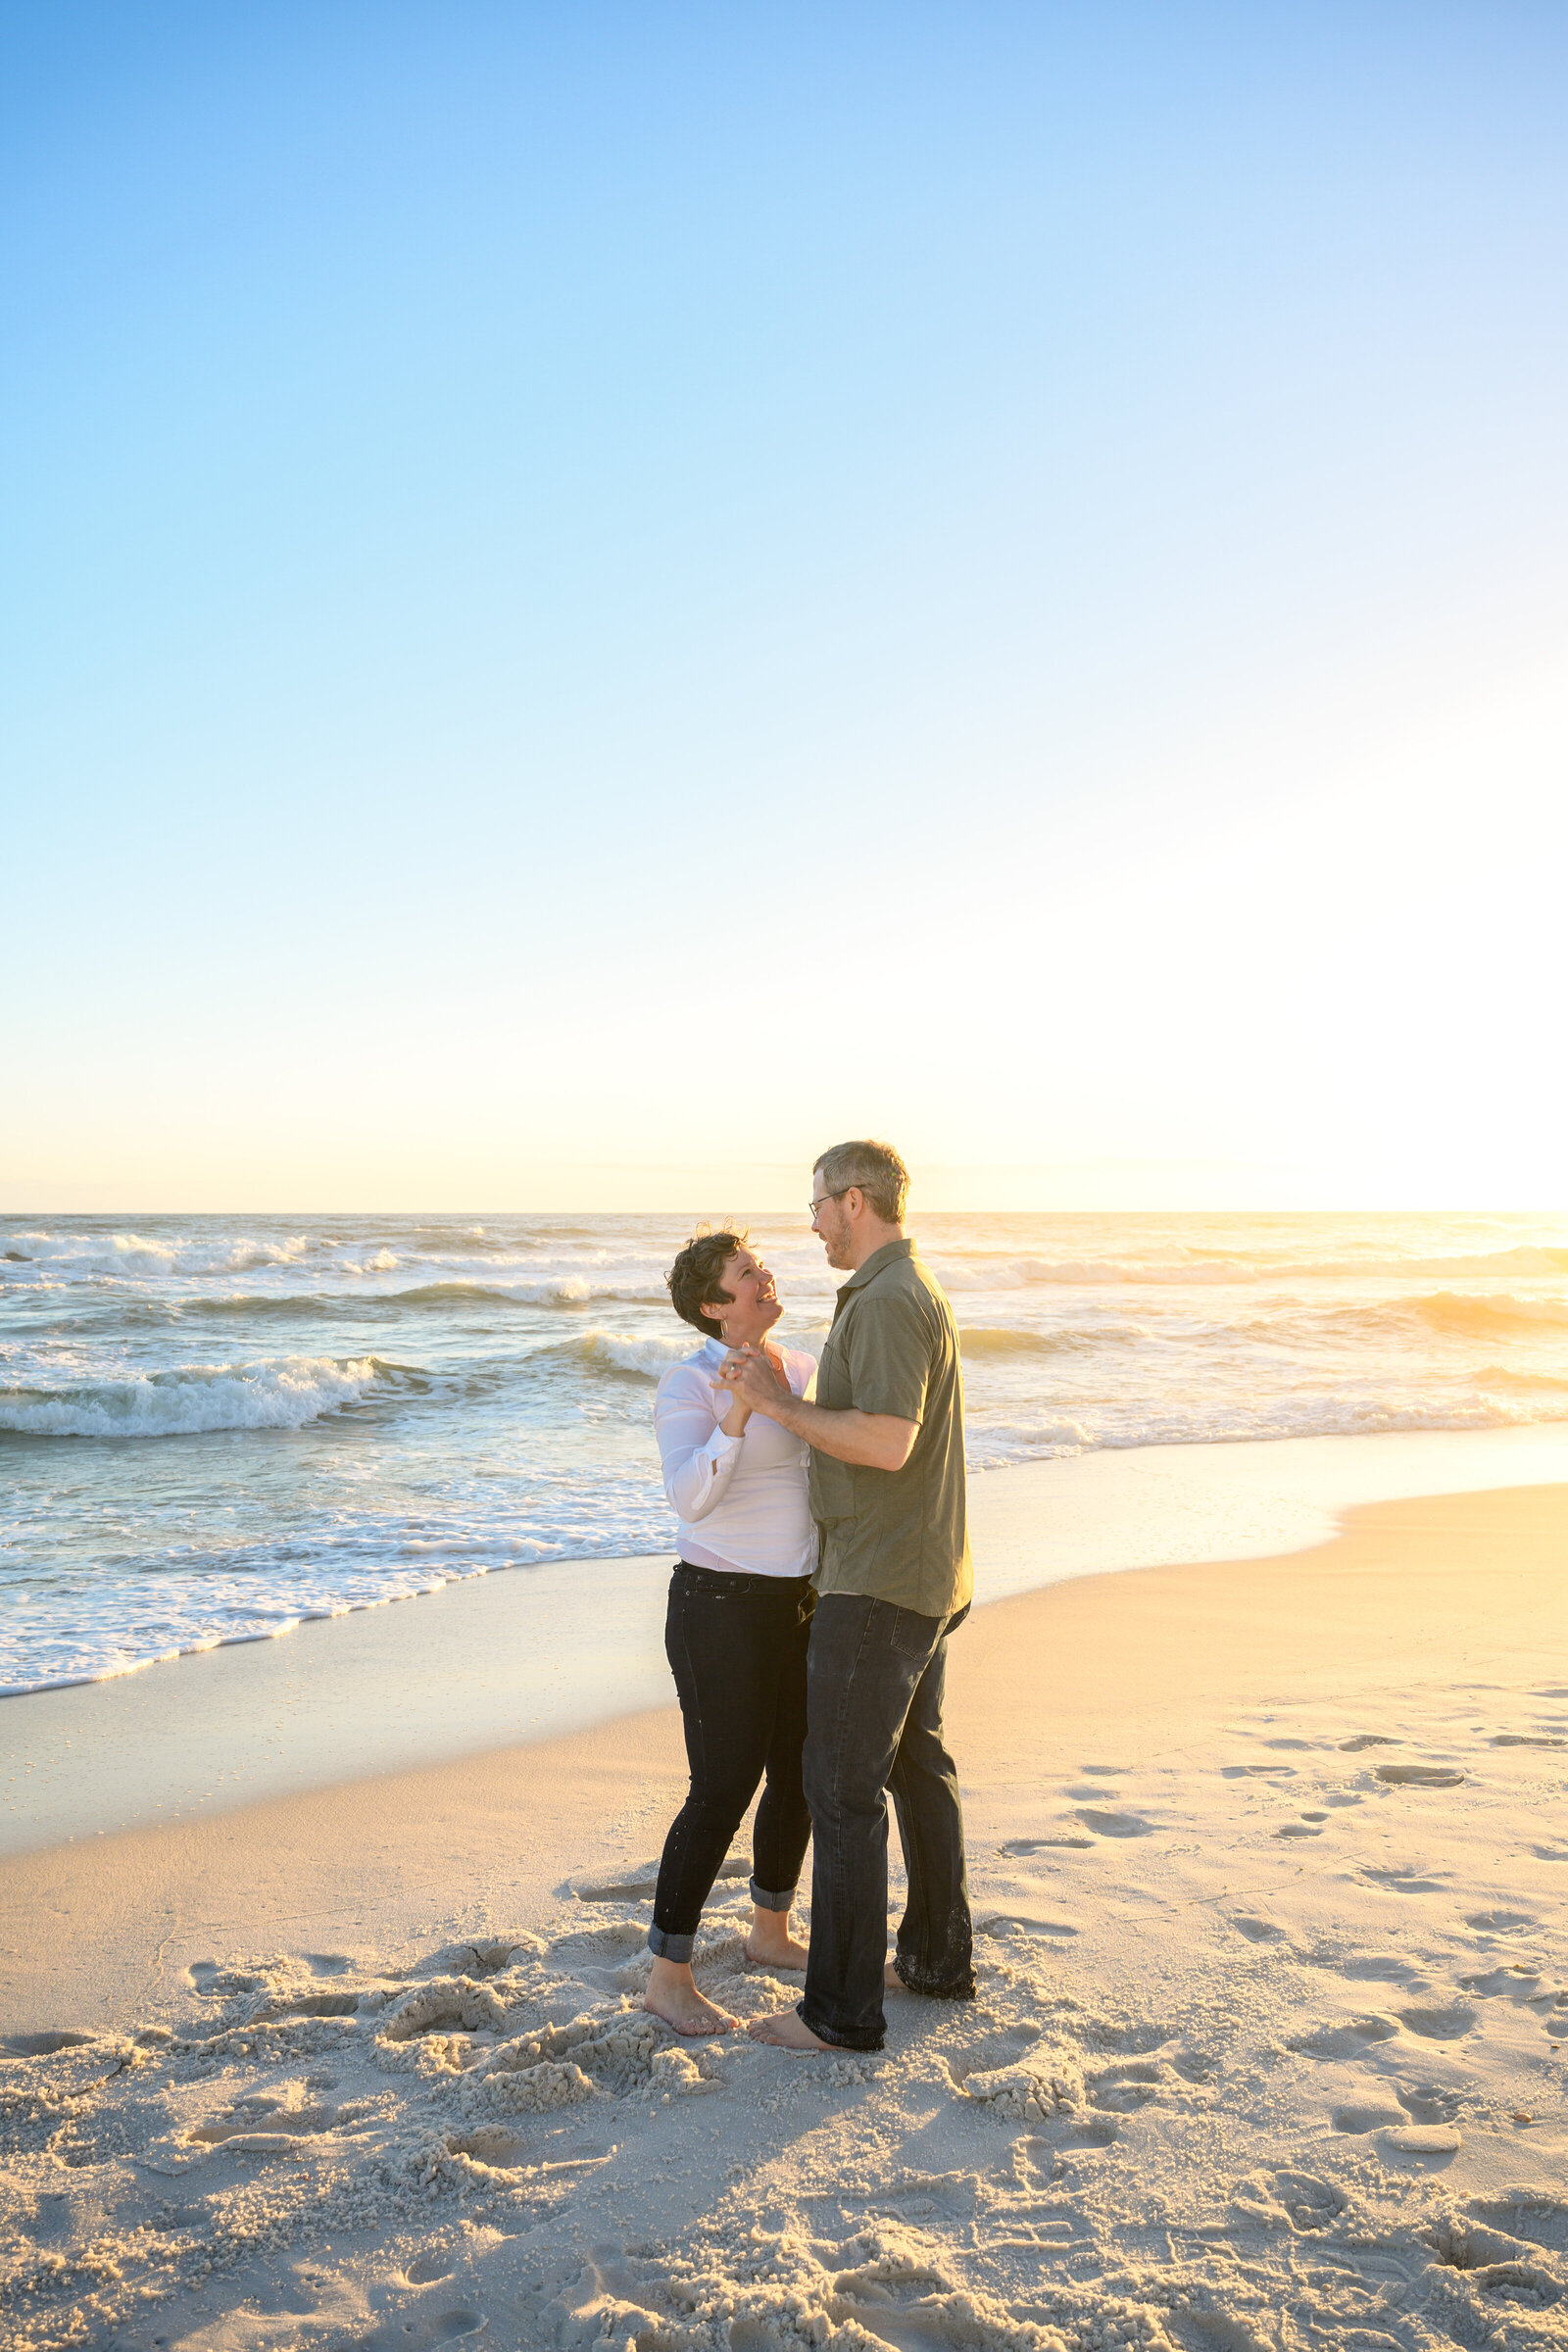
<point x="1455" y="1310"/>
<point x="144" y="1253"/>
<point x="284" y="1393"/>
<point x="984" y="1341"/>
<point x="648" y="1357"/>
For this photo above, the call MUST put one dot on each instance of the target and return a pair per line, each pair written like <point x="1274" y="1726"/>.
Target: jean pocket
<point x="912" y="1634"/>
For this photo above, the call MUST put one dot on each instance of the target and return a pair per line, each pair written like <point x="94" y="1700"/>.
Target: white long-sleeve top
<point x="741" y="1501"/>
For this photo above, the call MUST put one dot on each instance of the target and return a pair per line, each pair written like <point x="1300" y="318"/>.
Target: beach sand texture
<point x="1269" y="1864"/>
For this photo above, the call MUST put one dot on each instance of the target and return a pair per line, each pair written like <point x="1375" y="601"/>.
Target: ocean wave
<point x="985" y="1271"/>
<point x="646" y="1356"/>
<point x="991" y="1442"/>
<point x="985" y="1340"/>
<point x="556" y="1289"/>
<point x="282" y="1392"/>
<point x="143" y="1253"/>
<point x="1500" y="1310"/>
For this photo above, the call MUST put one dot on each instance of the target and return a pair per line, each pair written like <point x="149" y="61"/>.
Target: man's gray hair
<point x="875" y="1168"/>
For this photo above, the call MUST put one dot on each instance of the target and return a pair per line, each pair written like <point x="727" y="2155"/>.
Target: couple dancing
<point x="824" y="1560"/>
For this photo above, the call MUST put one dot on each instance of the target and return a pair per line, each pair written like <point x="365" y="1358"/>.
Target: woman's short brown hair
<point x="697" y="1276"/>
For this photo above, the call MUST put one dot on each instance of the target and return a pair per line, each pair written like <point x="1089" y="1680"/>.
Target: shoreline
<point x="1126" y="1653"/>
<point x="519" y="1658"/>
<point x="1269" y="1891"/>
<point x="1518" y="1454"/>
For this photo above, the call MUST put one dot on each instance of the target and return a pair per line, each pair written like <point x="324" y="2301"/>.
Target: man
<point x="887" y="1494"/>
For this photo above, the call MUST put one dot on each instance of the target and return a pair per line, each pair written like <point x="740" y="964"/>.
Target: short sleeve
<point x="888" y="1354"/>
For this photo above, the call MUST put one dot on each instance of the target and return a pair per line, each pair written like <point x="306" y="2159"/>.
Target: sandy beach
<point x="1268" y="2048"/>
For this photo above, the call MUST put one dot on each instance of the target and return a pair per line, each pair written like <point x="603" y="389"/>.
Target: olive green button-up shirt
<point x="899" y="1535"/>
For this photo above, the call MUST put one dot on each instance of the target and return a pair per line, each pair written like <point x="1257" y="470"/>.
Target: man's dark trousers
<point x="874" y="1683"/>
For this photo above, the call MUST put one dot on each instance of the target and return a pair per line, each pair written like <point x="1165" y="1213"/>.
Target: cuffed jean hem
<point x="665" y="1947"/>
<point x="837" y="2041"/>
<point x="767" y="1900"/>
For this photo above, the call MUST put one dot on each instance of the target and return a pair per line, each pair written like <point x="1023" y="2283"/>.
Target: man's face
<point x="831" y="1220"/>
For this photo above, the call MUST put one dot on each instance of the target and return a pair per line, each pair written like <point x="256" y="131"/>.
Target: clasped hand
<point x="749" y="1375"/>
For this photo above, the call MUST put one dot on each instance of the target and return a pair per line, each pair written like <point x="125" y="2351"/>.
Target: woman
<point x="740" y="1604"/>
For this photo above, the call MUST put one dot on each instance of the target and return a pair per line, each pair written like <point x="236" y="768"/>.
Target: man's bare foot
<point x="673" y="1997"/>
<point x="777" y="1948"/>
<point x="891" y="1979"/>
<point x="786" y="2029"/>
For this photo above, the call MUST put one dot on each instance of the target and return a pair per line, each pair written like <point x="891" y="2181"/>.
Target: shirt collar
<point x="716" y="1351"/>
<point x="903" y="1247"/>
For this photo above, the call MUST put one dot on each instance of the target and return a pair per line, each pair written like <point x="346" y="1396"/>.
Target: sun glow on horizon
<point x="648" y="600"/>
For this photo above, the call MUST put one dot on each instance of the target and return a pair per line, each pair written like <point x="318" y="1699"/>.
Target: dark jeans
<point x="736" y="1646"/>
<point x="874" y="1685"/>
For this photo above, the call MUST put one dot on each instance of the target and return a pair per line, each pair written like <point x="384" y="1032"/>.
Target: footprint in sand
<point x="1513" y="1981"/>
<point x="1498" y="1922"/>
<point x="1526" y="1739"/>
<point x="1419" y="1776"/>
<point x="1037" y="1846"/>
<point x="492" y="2146"/>
<point x="490" y="1957"/>
<point x="43" y="2046"/>
<point x="1400" y="1879"/>
<point x="1123" y="2089"/>
<point x="1377" y="1968"/>
<point x="1369" y="2116"/>
<point x="1257" y="1931"/>
<point x="641" y="1882"/>
<point x="1533" y="2213"/>
<point x="269" y="2127"/>
<point x="1353" y="1747"/>
<point x="1429" y="2102"/>
<point x="1310" y="1825"/>
<point x="1448" y="2021"/>
<point x="620" y="1890"/>
<point x="1113" y="1825"/>
<point x="425" y="2269"/>
<point x="1031" y="1923"/>
<point x="1343" y="2038"/>
<point x="1299" y="2199"/>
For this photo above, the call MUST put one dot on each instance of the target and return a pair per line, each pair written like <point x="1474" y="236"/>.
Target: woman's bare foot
<point x="772" y="1942"/>
<point x="786" y="2029"/>
<point x="673" y="1996"/>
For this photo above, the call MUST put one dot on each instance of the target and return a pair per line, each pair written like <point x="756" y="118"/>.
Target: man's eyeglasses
<point x="813" y="1205"/>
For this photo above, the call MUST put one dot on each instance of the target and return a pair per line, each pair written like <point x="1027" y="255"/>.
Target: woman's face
<point x="751" y="1307"/>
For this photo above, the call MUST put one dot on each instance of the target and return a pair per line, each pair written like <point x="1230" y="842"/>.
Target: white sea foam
<point x="527" y="1437"/>
<point x="649" y="1355"/>
<point x="283" y="1392"/>
<point x="145" y="1254"/>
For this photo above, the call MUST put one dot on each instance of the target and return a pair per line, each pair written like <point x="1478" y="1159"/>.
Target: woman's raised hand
<point x="752" y="1379"/>
<point x="733" y="1413"/>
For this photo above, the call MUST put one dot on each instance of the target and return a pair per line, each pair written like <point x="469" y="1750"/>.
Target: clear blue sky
<point x="648" y="586"/>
